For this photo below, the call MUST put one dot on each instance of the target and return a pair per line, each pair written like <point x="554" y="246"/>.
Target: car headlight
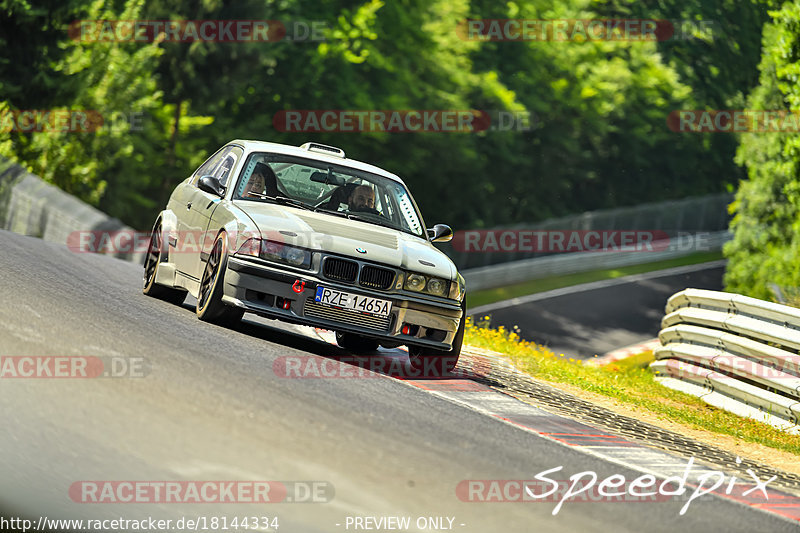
<point x="276" y="252"/>
<point x="415" y="282"/>
<point x="296" y="256"/>
<point x="421" y="283"/>
<point x="436" y="286"/>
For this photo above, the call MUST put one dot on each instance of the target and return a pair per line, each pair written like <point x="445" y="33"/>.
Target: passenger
<point x="362" y="199"/>
<point x="257" y="182"/>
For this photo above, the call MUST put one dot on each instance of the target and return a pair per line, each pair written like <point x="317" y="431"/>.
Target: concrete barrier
<point x="31" y="206"/>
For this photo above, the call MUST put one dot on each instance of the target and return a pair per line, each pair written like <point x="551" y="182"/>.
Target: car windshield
<point x="334" y="189"/>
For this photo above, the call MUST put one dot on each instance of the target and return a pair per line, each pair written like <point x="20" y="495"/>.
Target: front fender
<point x="237" y="225"/>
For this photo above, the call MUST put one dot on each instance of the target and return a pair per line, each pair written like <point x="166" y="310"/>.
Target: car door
<point x="200" y="206"/>
<point x="184" y="244"/>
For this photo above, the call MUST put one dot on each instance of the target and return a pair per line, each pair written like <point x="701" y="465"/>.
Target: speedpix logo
<point x="588" y="487"/>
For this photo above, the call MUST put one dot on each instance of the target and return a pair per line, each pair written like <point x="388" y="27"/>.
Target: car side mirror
<point x="440" y="233"/>
<point x="211" y="185"/>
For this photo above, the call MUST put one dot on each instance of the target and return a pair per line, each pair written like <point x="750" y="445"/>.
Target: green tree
<point x="766" y="224"/>
<point x="601" y="107"/>
<point x="116" y="163"/>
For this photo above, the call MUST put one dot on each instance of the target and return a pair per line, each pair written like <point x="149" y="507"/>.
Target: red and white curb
<point x="593" y="441"/>
<point x="604" y="445"/>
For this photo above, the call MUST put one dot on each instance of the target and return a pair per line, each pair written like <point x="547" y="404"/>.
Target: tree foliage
<point x="599" y="139"/>
<point x="766" y="224"/>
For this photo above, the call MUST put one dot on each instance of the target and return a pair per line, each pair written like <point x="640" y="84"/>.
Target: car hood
<point x="353" y="238"/>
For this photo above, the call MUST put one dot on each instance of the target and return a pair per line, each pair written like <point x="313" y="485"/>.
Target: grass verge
<point x="488" y="296"/>
<point x="630" y="383"/>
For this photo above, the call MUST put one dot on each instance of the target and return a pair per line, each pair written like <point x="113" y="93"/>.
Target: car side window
<point x="208" y="167"/>
<point x="223" y="171"/>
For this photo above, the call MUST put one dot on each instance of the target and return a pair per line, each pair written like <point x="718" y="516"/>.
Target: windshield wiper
<point x="353" y="216"/>
<point x="384" y="223"/>
<point x="284" y="200"/>
<point x="331" y="212"/>
<point x="379" y="221"/>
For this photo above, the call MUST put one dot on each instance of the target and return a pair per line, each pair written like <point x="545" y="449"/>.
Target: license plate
<point x="353" y="302"/>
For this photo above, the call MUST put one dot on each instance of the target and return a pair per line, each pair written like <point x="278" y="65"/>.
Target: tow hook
<point x="298" y="286"/>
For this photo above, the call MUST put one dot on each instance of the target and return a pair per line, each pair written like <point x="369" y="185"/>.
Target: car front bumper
<point x="264" y="290"/>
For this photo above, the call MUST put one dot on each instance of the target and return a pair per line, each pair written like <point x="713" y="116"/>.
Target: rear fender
<point x="169" y="231"/>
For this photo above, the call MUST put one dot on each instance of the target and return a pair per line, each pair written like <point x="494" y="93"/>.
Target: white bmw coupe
<point x="306" y="235"/>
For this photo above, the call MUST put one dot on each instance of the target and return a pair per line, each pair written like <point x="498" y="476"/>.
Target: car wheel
<point x="356" y="343"/>
<point x="151" y="262"/>
<point x="439" y="362"/>
<point x="209" y="299"/>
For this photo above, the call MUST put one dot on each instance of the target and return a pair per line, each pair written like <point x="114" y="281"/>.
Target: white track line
<point x="594" y="285"/>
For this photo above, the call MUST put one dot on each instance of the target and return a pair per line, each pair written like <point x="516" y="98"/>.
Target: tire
<point x="356" y="343"/>
<point x="439" y="362"/>
<point x="209" y="298"/>
<point x="151" y="262"/>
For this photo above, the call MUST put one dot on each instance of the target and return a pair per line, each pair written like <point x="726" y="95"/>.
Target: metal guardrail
<point x="687" y="216"/>
<point x="571" y="263"/>
<point x="733" y="348"/>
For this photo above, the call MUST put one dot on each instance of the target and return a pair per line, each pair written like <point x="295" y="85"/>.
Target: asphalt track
<point x="211" y="408"/>
<point x="595" y="318"/>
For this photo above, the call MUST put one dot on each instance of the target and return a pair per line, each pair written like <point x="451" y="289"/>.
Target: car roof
<point x="286" y="149"/>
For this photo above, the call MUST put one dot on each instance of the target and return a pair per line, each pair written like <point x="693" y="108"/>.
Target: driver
<point x="362" y="199"/>
<point x="257" y="182"/>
